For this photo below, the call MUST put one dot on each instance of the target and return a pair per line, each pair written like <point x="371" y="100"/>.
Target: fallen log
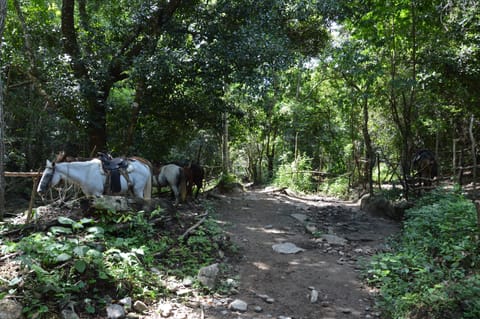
<point x="197" y="224"/>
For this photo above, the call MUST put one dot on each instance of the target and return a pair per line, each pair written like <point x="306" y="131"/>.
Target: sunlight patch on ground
<point x="324" y="266"/>
<point x="265" y="230"/>
<point x="260" y="265"/>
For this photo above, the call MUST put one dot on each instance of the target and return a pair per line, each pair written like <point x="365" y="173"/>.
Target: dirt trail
<point x="276" y="285"/>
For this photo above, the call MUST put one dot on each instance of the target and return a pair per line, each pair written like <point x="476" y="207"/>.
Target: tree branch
<point x="131" y="46"/>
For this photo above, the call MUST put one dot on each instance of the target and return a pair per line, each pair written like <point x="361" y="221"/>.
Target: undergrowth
<point x="88" y="263"/>
<point x="296" y="175"/>
<point x="433" y="270"/>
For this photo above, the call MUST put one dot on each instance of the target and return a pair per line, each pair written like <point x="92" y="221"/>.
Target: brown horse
<point x="425" y="166"/>
<point x="195" y="175"/>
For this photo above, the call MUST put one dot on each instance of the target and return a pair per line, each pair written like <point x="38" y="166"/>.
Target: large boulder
<point x="10" y="309"/>
<point x="379" y="206"/>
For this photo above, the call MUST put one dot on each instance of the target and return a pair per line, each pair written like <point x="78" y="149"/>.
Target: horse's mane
<point x="62" y="157"/>
<point x="143" y="160"/>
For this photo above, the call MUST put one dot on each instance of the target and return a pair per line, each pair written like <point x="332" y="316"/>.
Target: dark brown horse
<point x="194" y="175"/>
<point x="425" y="166"/>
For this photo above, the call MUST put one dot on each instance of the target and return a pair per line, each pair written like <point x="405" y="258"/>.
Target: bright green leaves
<point x="434" y="264"/>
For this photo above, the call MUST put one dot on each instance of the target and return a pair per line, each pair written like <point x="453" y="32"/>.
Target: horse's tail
<point x="147" y="190"/>
<point x="182" y="185"/>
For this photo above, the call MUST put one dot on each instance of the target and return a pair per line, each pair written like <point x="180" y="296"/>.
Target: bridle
<point x="47" y="178"/>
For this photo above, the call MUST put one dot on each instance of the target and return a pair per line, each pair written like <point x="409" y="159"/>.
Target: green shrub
<point x="337" y="186"/>
<point x="296" y="175"/>
<point x="84" y="261"/>
<point x="433" y="271"/>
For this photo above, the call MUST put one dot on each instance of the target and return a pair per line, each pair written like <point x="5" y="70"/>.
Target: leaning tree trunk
<point x="474" y="155"/>
<point x="3" y="15"/>
<point x="225" y="155"/>
<point x="370" y="156"/>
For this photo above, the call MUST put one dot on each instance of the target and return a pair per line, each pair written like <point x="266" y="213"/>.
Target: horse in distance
<point x="173" y="176"/>
<point x="195" y="175"/>
<point x="425" y="166"/>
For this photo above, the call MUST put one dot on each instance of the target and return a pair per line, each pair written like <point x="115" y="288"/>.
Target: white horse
<point x="172" y="175"/>
<point x="91" y="177"/>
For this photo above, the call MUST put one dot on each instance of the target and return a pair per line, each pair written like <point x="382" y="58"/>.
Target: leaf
<point x="90" y="309"/>
<point x="80" y="251"/>
<point x="86" y="220"/>
<point x="63" y="257"/>
<point x="66" y="221"/>
<point x="96" y="230"/>
<point x="80" y="265"/>
<point x="60" y="230"/>
<point x="77" y="226"/>
<point x="102" y="275"/>
<point x="95" y="254"/>
<point x="15" y="281"/>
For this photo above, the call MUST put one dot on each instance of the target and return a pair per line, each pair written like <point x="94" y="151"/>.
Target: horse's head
<point x="61" y="157"/>
<point x="49" y="178"/>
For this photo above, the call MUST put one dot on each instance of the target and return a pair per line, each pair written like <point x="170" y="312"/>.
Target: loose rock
<point x="10" y="309"/>
<point x="334" y="239"/>
<point x="313" y="296"/>
<point x="300" y="217"/>
<point x="208" y="276"/>
<point x="66" y="314"/>
<point x="238" y="305"/>
<point x="258" y="309"/>
<point x="165" y="310"/>
<point x="287" y="248"/>
<point x="115" y="311"/>
<point x="139" y="306"/>
<point x="126" y="302"/>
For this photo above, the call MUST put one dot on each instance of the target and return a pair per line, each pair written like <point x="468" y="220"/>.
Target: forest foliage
<point x="339" y="82"/>
<point x="432" y="270"/>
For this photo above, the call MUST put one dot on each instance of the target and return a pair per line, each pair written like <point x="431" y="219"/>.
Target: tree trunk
<point x="270" y="149"/>
<point x="259" y="165"/>
<point x="3" y="15"/>
<point x="270" y="162"/>
<point x="96" y="104"/>
<point x="95" y="89"/>
<point x="370" y="156"/>
<point x="97" y="127"/>
<point x="402" y="101"/>
<point x="477" y="206"/>
<point x="454" y="155"/>
<point x="474" y="155"/>
<point x="225" y="155"/>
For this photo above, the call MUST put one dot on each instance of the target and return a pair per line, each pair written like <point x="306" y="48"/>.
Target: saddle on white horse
<point x="114" y="168"/>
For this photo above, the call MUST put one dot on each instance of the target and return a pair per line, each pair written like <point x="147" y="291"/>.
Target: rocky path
<point x="319" y="278"/>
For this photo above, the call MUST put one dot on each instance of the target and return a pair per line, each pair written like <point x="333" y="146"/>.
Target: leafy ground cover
<point x="89" y="261"/>
<point x="433" y="270"/>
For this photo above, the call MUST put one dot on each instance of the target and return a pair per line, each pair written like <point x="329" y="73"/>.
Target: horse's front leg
<point x="138" y="192"/>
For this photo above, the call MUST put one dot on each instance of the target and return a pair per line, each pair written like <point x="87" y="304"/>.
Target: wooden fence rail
<point x="35" y="177"/>
<point x="23" y="174"/>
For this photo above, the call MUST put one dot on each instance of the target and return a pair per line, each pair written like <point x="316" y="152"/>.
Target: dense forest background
<point x="254" y="88"/>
